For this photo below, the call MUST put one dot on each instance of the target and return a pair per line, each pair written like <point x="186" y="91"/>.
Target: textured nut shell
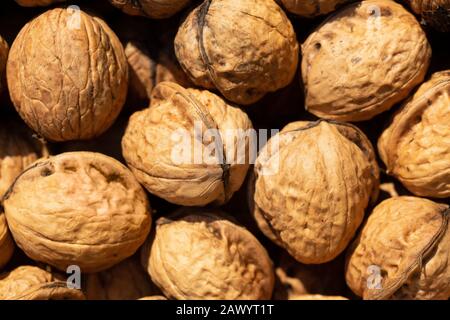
<point x="79" y="208"/>
<point x="244" y="66"/>
<point x="156" y="9"/>
<point x="363" y="60"/>
<point x="4" y="49"/>
<point x="395" y="233"/>
<point x="125" y="281"/>
<point x="37" y="3"/>
<point x="314" y="224"/>
<point x="148" y="145"/>
<point x="18" y="149"/>
<point x="316" y="297"/>
<point x="311" y="8"/>
<point x="416" y="145"/>
<point x="198" y="254"/>
<point x="67" y="83"/>
<point x="153" y="298"/>
<point x="435" y="12"/>
<point x="22" y="279"/>
<point x="6" y="242"/>
<point x="295" y="279"/>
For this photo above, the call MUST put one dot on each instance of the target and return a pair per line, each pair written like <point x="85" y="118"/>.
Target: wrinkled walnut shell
<point x="311" y="8"/>
<point x="149" y="146"/>
<point x="18" y="149"/>
<point x="125" y="281"/>
<point x="67" y="75"/>
<point x="216" y="49"/>
<point x="363" y="60"/>
<point x="416" y="145"/>
<point x="408" y="240"/>
<point x="6" y="242"/>
<point x="199" y="254"/>
<point x="288" y="198"/>
<point x="436" y="13"/>
<point x="78" y="208"/>
<point x="155" y="9"/>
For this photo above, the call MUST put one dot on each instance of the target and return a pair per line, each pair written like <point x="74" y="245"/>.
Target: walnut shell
<point x="242" y="65"/>
<point x="363" y="60"/>
<point x="416" y="145"/>
<point x="6" y="242"/>
<point x="155" y="9"/>
<point x="150" y="147"/>
<point x="4" y="49"/>
<point x="18" y="149"/>
<point x="67" y="82"/>
<point x="33" y="283"/>
<point x="78" y="208"/>
<point x="200" y="254"/>
<point x="294" y="279"/>
<point x="37" y="3"/>
<point x="125" y="281"/>
<point x="317" y="297"/>
<point x="435" y="12"/>
<point x="408" y="240"/>
<point x="153" y="298"/>
<point x="311" y="8"/>
<point x="289" y="201"/>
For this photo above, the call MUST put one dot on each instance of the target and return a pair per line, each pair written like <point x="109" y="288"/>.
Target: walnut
<point x="416" y="145"/>
<point x="317" y="297"/>
<point x="155" y="9"/>
<point x="33" y="283"/>
<point x="311" y="8"/>
<point x="67" y="75"/>
<point x="363" y="60"/>
<point x="125" y="281"/>
<point x="37" y="3"/>
<point x="6" y="242"/>
<point x="200" y="254"/>
<point x="242" y="48"/>
<point x="78" y="208"/>
<point x="312" y="183"/>
<point x="4" y="49"/>
<point x="435" y="12"/>
<point x="403" y="252"/>
<point x="150" y="146"/>
<point x="153" y="298"/>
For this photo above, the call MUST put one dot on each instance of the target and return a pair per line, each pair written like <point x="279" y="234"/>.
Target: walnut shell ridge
<point x="416" y="145"/>
<point x="78" y="208"/>
<point x="67" y="75"/>
<point x="155" y="9"/>
<point x="202" y="254"/>
<point x="247" y="65"/>
<point x="287" y="195"/>
<point x="363" y="60"/>
<point x="150" y="145"/>
<point x="311" y="8"/>
<point x="402" y="252"/>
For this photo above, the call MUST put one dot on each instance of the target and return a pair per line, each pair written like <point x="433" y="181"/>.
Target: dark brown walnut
<point x="312" y="183"/>
<point x="6" y="242"/>
<point x="37" y="3"/>
<point x="18" y="149"/>
<point x="242" y="48"/>
<point x="155" y="9"/>
<point x="4" y="49"/>
<point x="416" y="145"/>
<point x="293" y="279"/>
<point x="435" y="13"/>
<point x="33" y="283"/>
<point x="403" y="252"/>
<point x="169" y="150"/>
<point x="363" y="60"/>
<point x="78" y="208"/>
<point x="67" y="75"/>
<point x="311" y="8"/>
<point x="125" y="281"/>
<point x="200" y="254"/>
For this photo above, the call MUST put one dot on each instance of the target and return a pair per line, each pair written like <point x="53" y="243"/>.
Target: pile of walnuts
<point x="225" y="149"/>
